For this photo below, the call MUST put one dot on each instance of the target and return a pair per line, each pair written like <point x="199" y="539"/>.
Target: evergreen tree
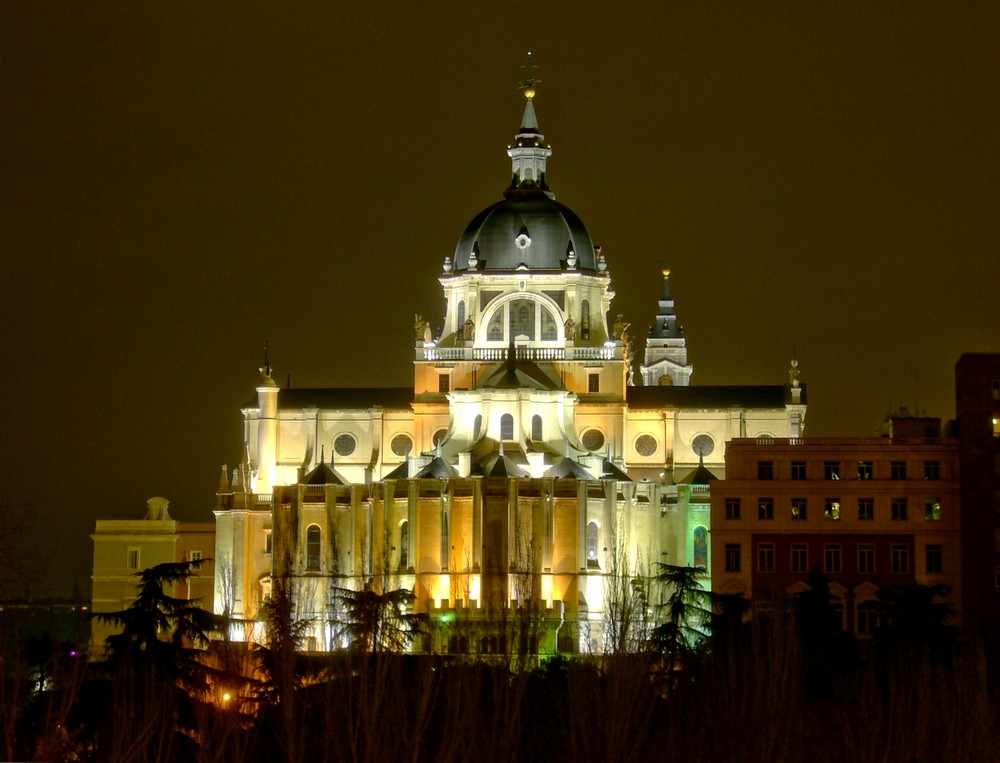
<point x="379" y="621"/>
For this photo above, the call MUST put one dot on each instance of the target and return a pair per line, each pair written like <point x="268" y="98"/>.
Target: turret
<point x="666" y="360"/>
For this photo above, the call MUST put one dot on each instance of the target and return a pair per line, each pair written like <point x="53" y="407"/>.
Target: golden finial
<point x="528" y="85"/>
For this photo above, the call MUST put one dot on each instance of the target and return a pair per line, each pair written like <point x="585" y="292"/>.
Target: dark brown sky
<point x="178" y="183"/>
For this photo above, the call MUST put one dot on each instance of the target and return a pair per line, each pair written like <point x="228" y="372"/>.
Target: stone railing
<point x="499" y="354"/>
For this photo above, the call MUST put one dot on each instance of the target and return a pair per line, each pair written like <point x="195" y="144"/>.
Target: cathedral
<point x="535" y="462"/>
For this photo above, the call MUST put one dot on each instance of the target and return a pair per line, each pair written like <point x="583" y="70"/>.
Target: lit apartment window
<point x="132" y="558"/>
<point x="831" y="558"/>
<point x="732" y="508"/>
<point x="932" y="470"/>
<point x="899" y="509"/>
<point x="732" y="557"/>
<point x="831" y="470"/>
<point x="765" y="508"/>
<point x="799" y="507"/>
<point x="900" y="558"/>
<point x="831" y="508"/>
<point x="897" y="470"/>
<point x="195" y="558"/>
<point x="593" y="382"/>
<point x="765" y="470"/>
<point x="800" y="557"/>
<point x="765" y="557"/>
<point x="865" y="469"/>
<point x="866" y="558"/>
<point x="798" y="470"/>
<point x="933" y="559"/>
<point x="932" y="509"/>
<point x="866" y="509"/>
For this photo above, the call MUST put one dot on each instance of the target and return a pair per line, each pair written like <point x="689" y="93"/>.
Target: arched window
<point x="550" y="330"/>
<point x="592" y="559"/>
<point x="522" y="318"/>
<point x="314" y="545"/>
<point x="585" y="319"/>
<point x="404" y="544"/>
<point x="461" y="315"/>
<point x="494" y="331"/>
<point x="506" y="427"/>
<point x="536" y="428"/>
<point x="700" y="548"/>
<point x="477" y="427"/>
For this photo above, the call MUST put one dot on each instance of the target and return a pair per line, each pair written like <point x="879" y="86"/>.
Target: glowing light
<point x="226" y="696"/>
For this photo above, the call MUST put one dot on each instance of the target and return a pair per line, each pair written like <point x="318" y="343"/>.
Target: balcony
<point x="499" y="354"/>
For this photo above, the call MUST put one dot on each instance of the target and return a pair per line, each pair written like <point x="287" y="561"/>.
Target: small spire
<point x="322" y="454"/>
<point x="265" y="370"/>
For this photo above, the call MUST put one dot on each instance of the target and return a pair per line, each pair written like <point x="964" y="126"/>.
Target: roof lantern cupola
<point x="529" y="153"/>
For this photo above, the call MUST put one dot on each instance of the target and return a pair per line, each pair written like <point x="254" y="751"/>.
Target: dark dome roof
<point x="551" y="227"/>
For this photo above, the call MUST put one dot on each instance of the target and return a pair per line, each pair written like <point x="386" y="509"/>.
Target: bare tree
<point x="627" y="599"/>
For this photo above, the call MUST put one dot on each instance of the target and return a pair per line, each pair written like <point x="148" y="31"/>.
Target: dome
<point x="527" y="228"/>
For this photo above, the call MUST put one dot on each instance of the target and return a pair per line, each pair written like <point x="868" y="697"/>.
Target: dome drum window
<point x="524" y="319"/>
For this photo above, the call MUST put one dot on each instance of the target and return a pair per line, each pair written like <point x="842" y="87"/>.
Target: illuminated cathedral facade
<point x="533" y="461"/>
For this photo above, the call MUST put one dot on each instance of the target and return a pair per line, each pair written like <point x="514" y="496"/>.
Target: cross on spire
<point x="528" y="85"/>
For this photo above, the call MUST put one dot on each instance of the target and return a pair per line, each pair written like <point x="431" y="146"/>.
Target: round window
<point x="345" y="444"/>
<point x="592" y="439"/>
<point x="703" y="445"/>
<point x="439" y="436"/>
<point x="401" y="445"/>
<point x="645" y="445"/>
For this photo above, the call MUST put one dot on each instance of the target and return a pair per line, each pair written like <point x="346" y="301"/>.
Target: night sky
<point x="180" y="182"/>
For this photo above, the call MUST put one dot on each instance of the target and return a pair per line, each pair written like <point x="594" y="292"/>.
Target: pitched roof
<point x="438" y="468"/>
<point x="700" y="476"/>
<point x="323" y="474"/>
<point x="567" y="468"/>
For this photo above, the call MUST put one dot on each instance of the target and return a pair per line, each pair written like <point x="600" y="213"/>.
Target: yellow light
<point x="226" y="696"/>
